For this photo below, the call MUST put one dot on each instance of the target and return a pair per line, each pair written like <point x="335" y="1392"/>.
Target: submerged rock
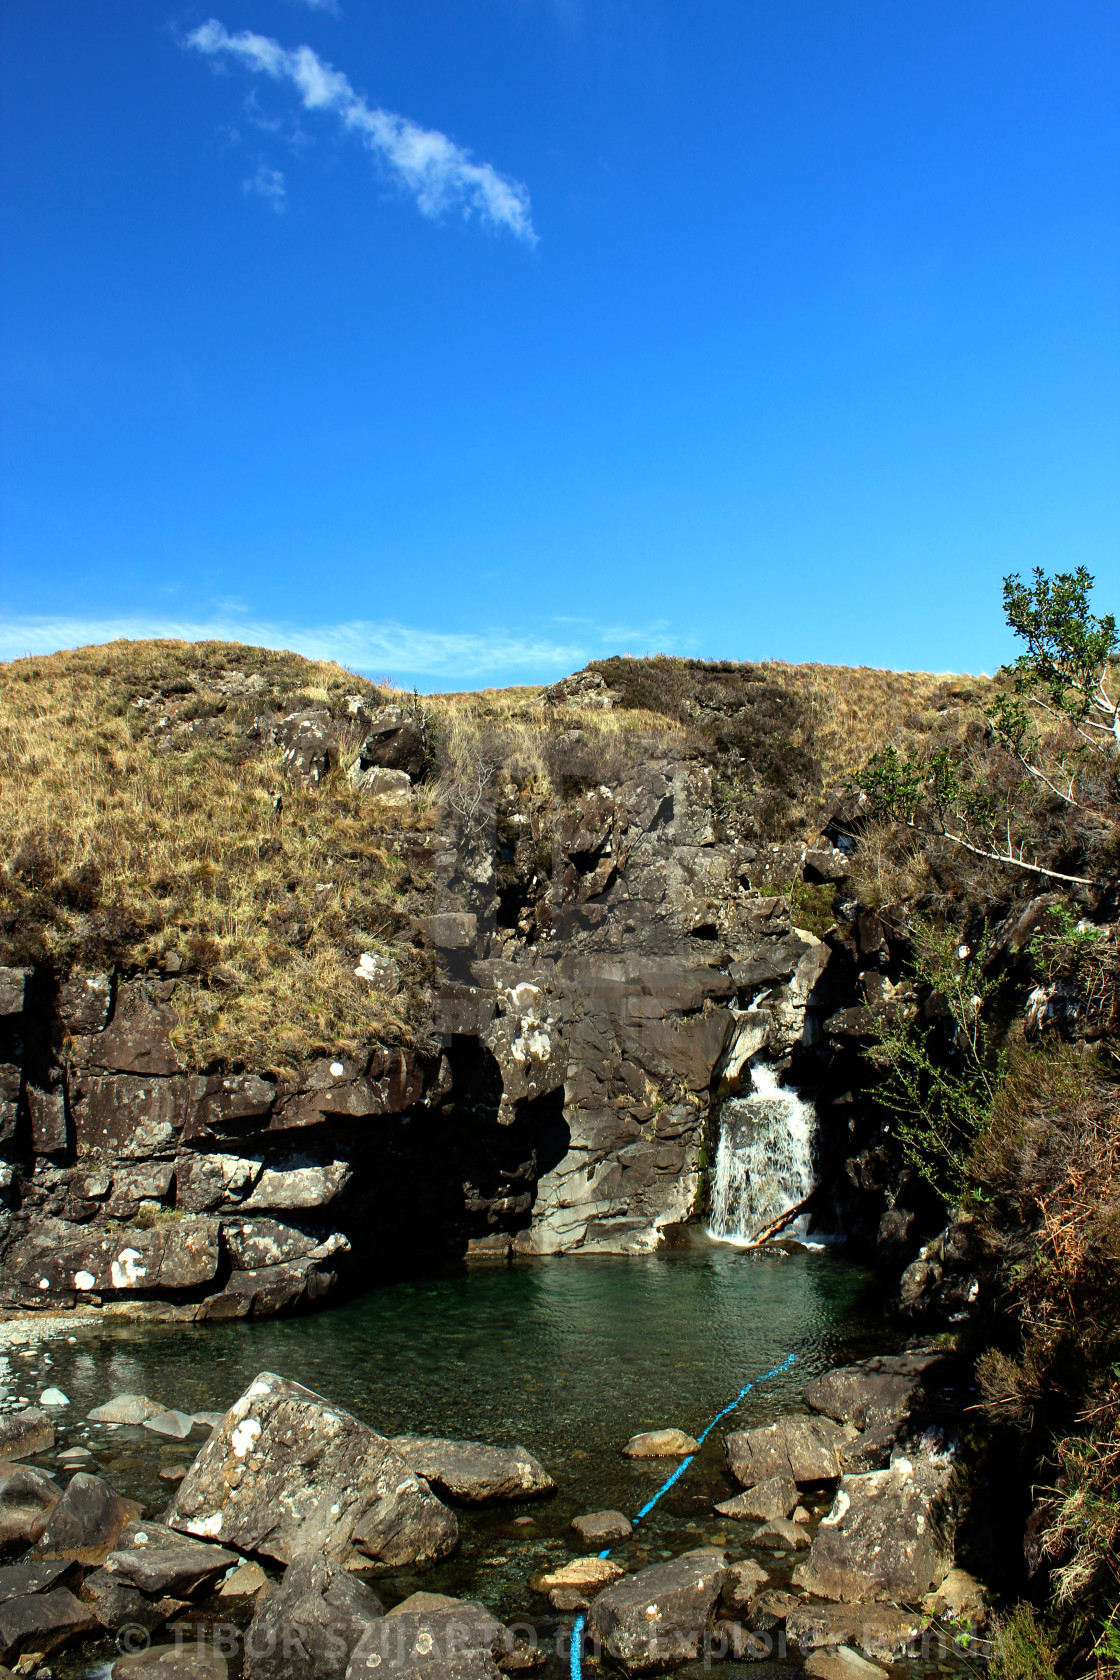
<point x="288" y="1473"/>
<point x="171" y="1662"/>
<point x="659" y="1617"/>
<point x="878" y="1630"/>
<point x="842" y="1664"/>
<point x="804" y="1449"/>
<point x="474" y="1473"/>
<point x="600" y="1527"/>
<point x="126" y="1408"/>
<point x="660" y="1443"/>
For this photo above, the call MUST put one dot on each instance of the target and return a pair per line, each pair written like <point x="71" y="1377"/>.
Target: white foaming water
<point x="765" y="1160"/>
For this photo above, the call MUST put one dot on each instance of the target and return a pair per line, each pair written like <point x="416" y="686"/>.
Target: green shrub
<point x="1020" y="1648"/>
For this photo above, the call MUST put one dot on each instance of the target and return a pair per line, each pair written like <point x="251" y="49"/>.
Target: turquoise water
<point x="569" y="1357"/>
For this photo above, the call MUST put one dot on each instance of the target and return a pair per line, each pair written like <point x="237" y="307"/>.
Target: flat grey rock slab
<point x="19" y="1580"/>
<point x="471" y="1472"/>
<point x="41" y="1622"/>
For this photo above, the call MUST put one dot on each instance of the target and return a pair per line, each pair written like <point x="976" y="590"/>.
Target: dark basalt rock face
<point x="606" y="968"/>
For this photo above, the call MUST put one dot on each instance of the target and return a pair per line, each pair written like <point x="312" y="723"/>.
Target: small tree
<point x="1067" y="667"/>
<point x="1062" y="681"/>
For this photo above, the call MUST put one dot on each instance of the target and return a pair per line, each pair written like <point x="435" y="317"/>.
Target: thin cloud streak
<point x="376" y="648"/>
<point x="438" y="174"/>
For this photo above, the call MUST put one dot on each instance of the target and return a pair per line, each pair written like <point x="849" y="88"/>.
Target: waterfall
<point x="765" y="1162"/>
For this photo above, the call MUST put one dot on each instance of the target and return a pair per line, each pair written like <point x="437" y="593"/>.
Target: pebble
<point x="53" y="1397"/>
<point x="244" y="1580"/>
<point x="74" y="1455"/>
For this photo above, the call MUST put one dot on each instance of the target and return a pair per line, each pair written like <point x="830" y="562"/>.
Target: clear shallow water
<point x="568" y="1357"/>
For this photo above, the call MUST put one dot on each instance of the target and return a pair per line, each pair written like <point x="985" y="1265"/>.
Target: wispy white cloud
<point x="267" y="183"/>
<point x="330" y="6"/>
<point x="439" y="175"/>
<point x="399" y="650"/>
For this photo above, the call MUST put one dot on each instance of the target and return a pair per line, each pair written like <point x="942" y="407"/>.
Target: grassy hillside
<point x="137" y="819"/>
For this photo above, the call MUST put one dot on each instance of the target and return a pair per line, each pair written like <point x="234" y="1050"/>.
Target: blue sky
<point x="465" y="340"/>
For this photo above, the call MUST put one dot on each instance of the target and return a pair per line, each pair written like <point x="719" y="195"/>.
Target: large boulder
<point x="87" y="1522"/>
<point x="879" y="1630"/>
<point x="660" y="1617"/>
<point x="599" y="1528"/>
<point x="308" y="1627"/>
<point x="889" y="1535"/>
<point x="473" y="1473"/>
<point x="288" y="1473"/>
<point x="776" y="1497"/>
<point x="805" y="1449"/>
<point x="23" y="1434"/>
<point x="27" y="1498"/>
<point x="435" y="1638"/>
<point x="150" y="1575"/>
<point x="878" y="1396"/>
<point x="41" y="1622"/>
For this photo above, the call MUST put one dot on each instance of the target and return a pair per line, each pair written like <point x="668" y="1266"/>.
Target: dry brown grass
<point x="136" y="819"/>
<point x="119" y="848"/>
<point x="523" y="738"/>
<point x="853" y="710"/>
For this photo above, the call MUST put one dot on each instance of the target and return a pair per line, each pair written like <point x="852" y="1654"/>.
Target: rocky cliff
<point x="594" y="926"/>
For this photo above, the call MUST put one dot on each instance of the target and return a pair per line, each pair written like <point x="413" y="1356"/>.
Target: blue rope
<point x="575" y="1669"/>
